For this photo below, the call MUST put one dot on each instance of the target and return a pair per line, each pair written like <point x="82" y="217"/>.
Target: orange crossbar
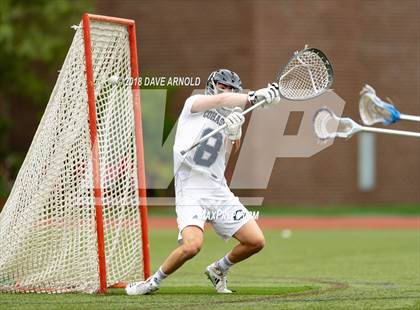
<point x="108" y="19"/>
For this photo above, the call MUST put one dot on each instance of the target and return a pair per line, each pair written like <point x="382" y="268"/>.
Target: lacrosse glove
<point x="234" y="123"/>
<point x="271" y="95"/>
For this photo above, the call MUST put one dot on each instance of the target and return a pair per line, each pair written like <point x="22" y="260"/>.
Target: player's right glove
<point x="271" y="94"/>
<point x="234" y="123"/>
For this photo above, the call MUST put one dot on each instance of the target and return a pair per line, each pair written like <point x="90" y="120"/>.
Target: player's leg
<point x="251" y="240"/>
<point x="190" y="245"/>
<point x="192" y="241"/>
<point x="236" y="221"/>
<point x="190" y="221"/>
<point x="190" y="224"/>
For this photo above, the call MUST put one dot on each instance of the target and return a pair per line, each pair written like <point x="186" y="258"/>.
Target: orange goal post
<point x="76" y="218"/>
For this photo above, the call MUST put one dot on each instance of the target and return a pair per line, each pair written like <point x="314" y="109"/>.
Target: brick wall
<point x="375" y="42"/>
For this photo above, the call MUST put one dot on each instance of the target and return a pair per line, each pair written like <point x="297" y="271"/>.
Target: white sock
<point x="159" y="276"/>
<point x="224" y="263"/>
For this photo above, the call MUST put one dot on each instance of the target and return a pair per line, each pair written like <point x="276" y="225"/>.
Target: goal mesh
<point x="48" y="236"/>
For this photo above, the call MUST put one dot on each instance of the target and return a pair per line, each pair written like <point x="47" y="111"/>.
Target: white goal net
<point x="48" y="226"/>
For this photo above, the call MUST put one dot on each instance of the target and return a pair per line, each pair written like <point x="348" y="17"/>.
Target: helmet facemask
<point x="225" y="77"/>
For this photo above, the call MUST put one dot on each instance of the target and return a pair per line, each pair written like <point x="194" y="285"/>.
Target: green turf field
<point x="377" y="269"/>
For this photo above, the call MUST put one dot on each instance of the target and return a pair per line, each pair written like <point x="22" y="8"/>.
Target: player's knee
<point x="191" y="249"/>
<point x="257" y="244"/>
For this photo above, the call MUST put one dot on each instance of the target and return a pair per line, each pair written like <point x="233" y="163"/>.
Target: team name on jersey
<point x="215" y="117"/>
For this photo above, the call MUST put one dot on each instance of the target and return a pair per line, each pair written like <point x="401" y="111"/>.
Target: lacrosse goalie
<point x="202" y="194"/>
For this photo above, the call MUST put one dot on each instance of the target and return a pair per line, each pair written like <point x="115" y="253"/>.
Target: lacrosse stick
<point x="373" y="110"/>
<point x="308" y="74"/>
<point x="327" y="125"/>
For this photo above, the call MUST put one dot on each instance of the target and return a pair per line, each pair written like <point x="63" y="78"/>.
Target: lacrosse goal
<point x="76" y="219"/>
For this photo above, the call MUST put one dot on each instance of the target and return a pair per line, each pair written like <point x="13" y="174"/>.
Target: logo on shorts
<point x="239" y="215"/>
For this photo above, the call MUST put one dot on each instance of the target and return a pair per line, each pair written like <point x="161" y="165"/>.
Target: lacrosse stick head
<point x="308" y="74"/>
<point x="327" y="125"/>
<point x="373" y="110"/>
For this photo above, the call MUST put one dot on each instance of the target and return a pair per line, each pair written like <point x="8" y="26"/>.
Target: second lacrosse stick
<point x="374" y="110"/>
<point x="327" y="126"/>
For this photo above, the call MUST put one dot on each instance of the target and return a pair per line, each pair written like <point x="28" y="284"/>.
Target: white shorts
<point x="227" y="216"/>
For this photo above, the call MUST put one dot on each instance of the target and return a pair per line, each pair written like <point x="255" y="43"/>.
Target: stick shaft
<point x="210" y="134"/>
<point x="391" y="131"/>
<point x="407" y="117"/>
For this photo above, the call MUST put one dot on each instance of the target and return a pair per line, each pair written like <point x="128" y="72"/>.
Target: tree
<point x="34" y="39"/>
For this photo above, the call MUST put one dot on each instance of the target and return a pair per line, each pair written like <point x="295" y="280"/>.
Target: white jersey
<point x="200" y="171"/>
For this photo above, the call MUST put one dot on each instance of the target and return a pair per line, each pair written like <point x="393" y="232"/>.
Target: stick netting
<point x="373" y="110"/>
<point x="328" y="126"/>
<point x="48" y="235"/>
<point x="307" y="75"/>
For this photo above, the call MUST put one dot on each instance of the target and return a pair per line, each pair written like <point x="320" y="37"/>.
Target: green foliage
<point x="34" y="39"/>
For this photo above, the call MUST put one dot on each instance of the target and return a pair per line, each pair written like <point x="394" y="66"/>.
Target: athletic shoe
<point x="142" y="288"/>
<point x="218" y="279"/>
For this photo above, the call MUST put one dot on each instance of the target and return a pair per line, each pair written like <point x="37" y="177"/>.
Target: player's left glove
<point x="234" y="123"/>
